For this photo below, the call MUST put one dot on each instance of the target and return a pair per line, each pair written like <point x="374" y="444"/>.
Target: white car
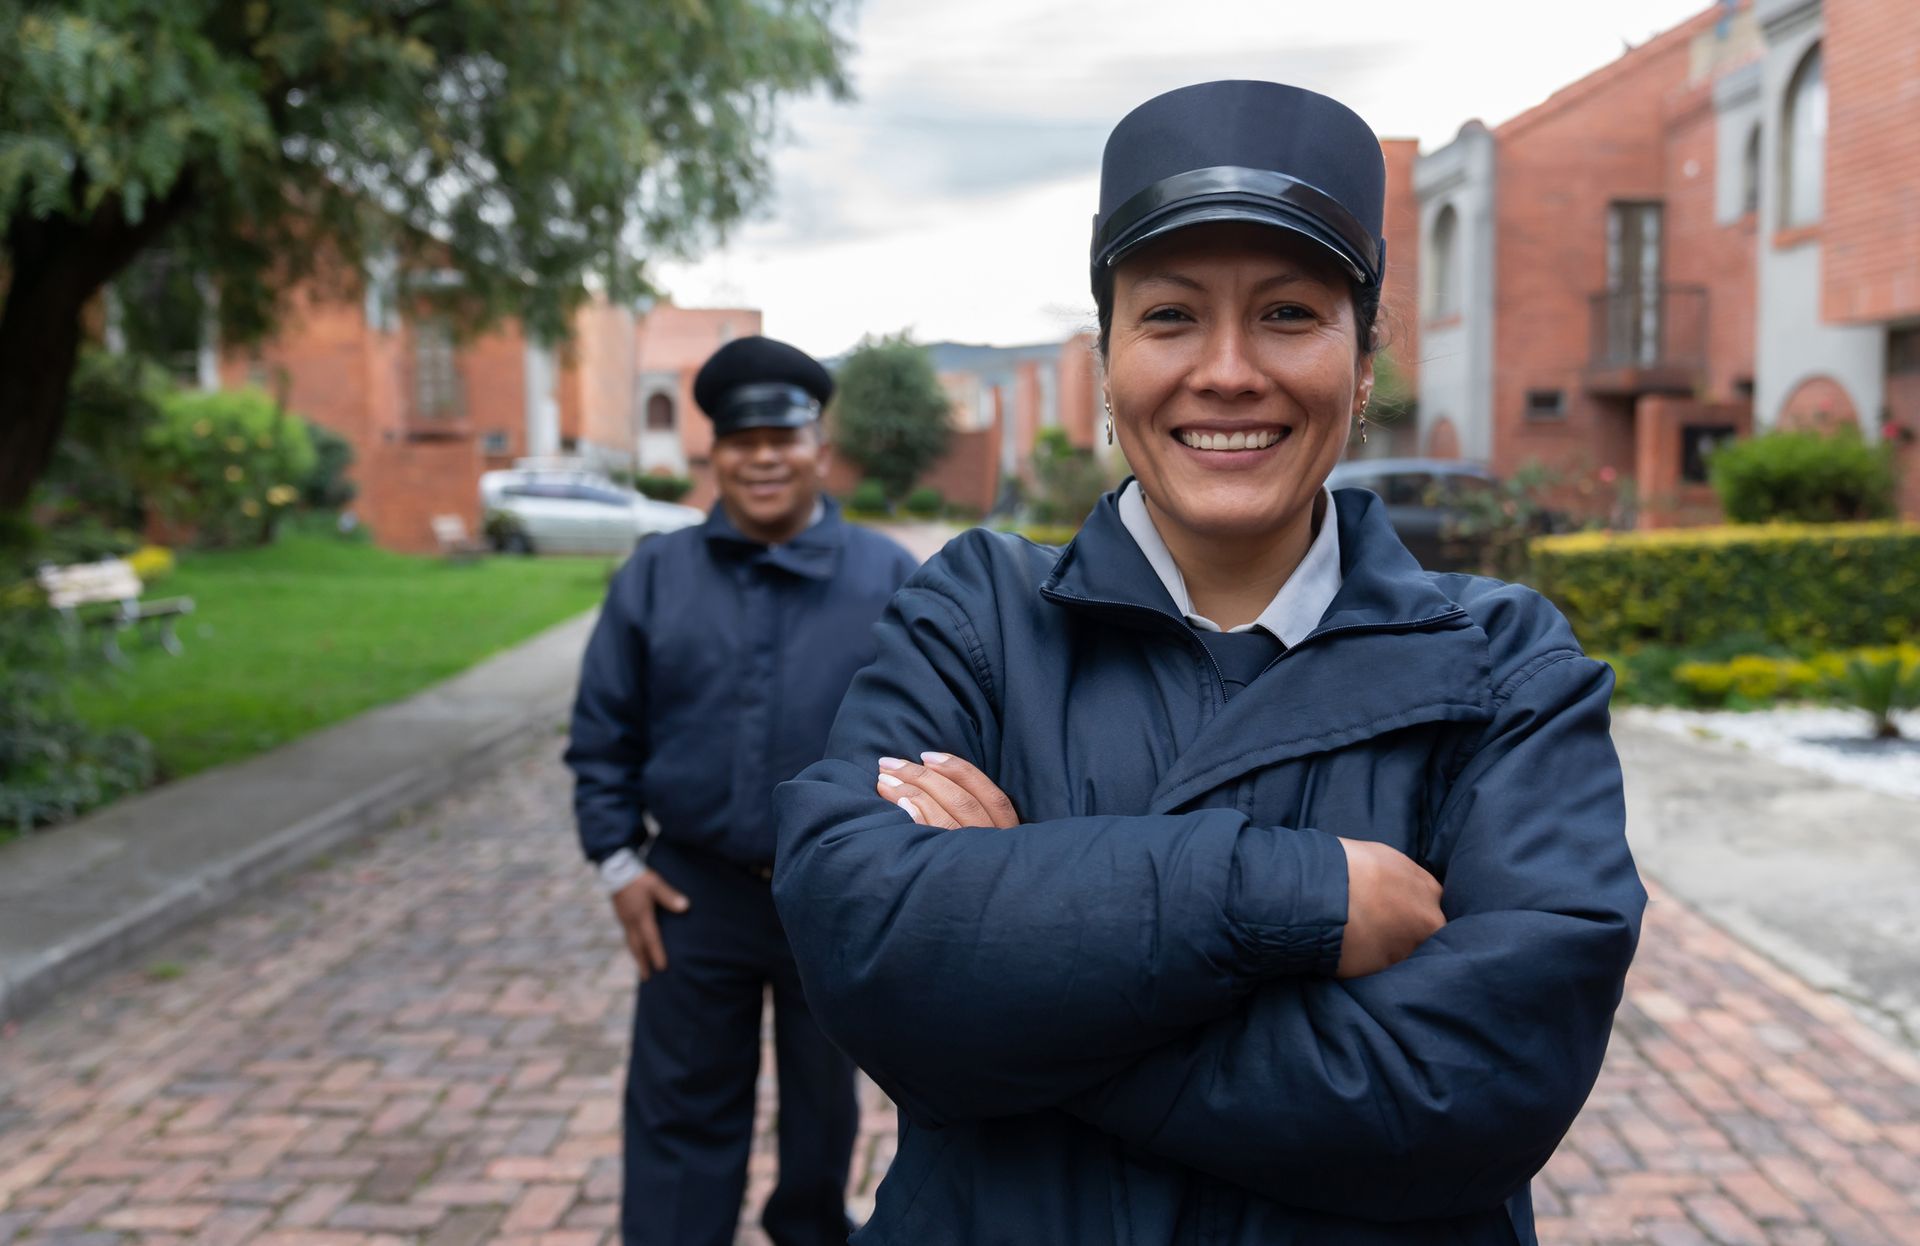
<point x="573" y="512"/>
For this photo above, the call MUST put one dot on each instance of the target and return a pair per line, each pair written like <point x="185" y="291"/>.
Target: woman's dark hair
<point x="1366" y="312"/>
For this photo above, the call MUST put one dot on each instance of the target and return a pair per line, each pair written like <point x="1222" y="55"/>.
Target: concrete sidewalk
<point x="86" y="896"/>
<point x="1821" y="875"/>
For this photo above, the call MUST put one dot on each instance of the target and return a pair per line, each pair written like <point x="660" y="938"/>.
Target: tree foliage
<point x="535" y="149"/>
<point x="890" y="414"/>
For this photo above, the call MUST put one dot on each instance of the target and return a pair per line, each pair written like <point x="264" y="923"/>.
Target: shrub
<point x="1067" y="481"/>
<point x="869" y="497"/>
<point x="506" y="533"/>
<point x="1802" y="586"/>
<point x="1752" y="680"/>
<point x="1878" y="684"/>
<point x="1803" y="478"/>
<point x="890" y="417"/>
<point x="84" y="539"/>
<point x="924" y="502"/>
<point x="326" y="487"/>
<point x="225" y="466"/>
<point x="664" y="488"/>
<point x="53" y="766"/>
<point x="112" y="402"/>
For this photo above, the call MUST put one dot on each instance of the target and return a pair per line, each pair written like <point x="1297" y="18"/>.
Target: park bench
<point x="112" y="581"/>
<point x="455" y="542"/>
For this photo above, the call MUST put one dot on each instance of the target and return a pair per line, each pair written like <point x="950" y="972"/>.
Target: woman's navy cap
<point x="756" y="382"/>
<point x="1244" y="151"/>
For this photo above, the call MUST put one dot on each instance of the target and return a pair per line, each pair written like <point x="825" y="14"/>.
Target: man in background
<point x="720" y="657"/>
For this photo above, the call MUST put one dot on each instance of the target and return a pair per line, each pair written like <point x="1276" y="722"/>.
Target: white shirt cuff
<point x="618" y="871"/>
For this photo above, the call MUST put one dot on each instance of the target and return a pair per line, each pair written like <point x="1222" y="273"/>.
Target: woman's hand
<point x="945" y="792"/>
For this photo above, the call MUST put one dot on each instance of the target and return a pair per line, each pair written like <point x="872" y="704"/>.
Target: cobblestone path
<point x="422" y="1041"/>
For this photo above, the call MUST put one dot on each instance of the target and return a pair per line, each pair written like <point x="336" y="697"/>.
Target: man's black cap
<point x="756" y="382"/>
<point x="1244" y="151"/>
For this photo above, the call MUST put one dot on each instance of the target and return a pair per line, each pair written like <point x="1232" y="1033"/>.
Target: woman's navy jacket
<point x="1117" y="1022"/>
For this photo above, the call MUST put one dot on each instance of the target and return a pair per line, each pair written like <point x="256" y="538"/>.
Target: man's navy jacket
<point x="714" y="673"/>
<point x="1117" y="1022"/>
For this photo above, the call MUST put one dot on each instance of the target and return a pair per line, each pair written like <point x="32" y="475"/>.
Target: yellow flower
<point x="234" y="474"/>
<point x="151" y="562"/>
<point x="202" y="427"/>
<point x="250" y="508"/>
<point x="280" y="495"/>
<point x="236" y="444"/>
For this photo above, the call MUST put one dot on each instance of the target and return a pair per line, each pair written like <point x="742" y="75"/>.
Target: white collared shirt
<point x="1294" y="611"/>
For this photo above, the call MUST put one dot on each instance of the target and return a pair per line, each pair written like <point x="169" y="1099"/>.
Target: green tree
<point x="890" y="415"/>
<point x="536" y="149"/>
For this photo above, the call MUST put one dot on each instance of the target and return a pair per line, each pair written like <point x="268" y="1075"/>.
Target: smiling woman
<point x="1251" y="884"/>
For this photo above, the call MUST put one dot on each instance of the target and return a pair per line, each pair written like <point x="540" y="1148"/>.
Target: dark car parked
<point x="1431" y="503"/>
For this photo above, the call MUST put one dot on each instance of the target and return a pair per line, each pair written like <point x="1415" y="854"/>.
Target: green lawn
<point x="314" y="629"/>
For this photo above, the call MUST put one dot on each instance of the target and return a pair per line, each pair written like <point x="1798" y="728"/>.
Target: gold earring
<point x="1109" y="407"/>
<point x="1363" y="423"/>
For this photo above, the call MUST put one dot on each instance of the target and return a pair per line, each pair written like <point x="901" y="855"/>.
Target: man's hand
<point x="945" y="792"/>
<point x="1392" y="907"/>
<point x="635" y="905"/>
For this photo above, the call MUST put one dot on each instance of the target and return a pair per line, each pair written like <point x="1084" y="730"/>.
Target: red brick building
<point x="1715" y="232"/>
<point x="428" y="411"/>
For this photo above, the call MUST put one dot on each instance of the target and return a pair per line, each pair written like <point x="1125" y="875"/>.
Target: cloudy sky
<point x="954" y="194"/>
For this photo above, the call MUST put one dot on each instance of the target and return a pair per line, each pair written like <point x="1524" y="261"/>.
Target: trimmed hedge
<point x="1806" y="586"/>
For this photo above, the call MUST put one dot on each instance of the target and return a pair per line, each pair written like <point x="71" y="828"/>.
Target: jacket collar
<point x="814" y="554"/>
<point x="1392" y="651"/>
<point x="1381" y="586"/>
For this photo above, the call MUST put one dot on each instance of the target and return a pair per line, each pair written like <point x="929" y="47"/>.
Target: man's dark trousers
<point x="695" y="1061"/>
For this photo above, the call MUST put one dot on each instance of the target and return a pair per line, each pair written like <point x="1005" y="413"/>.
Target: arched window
<point x="659" y="414"/>
<point x="1443" y="266"/>
<point x="1750" y="173"/>
<point x="1804" y="144"/>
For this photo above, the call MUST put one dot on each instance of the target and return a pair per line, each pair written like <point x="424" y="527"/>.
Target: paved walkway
<point x="420" y="1041"/>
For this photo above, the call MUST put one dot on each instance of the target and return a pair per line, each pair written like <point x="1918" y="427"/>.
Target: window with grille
<point x="436" y="372"/>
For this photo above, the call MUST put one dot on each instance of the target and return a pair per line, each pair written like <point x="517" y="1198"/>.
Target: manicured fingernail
<point x="887" y="780"/>
<point x="911" y="811"/>
<point x="934" y="759"/>
<point x="891" y="763"/>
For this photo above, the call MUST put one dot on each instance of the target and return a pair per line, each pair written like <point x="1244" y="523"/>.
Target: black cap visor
<point x="1227" y="193"/>
<point x="766" y="405"/>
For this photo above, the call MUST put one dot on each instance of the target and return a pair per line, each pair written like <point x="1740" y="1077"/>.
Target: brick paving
<point x="421" y="1042"/>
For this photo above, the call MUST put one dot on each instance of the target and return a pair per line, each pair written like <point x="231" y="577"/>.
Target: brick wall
<point x="404" y="484"/>
<point x="1701" y="251"/>
<point x="1870" y="264"/>
<point x="1400" y="291"/>
<point x="493" y="391"/>
<point x="1561" y="164"/>
<point x="1902" y="431"/>
<point x="1081" y="416"/>
<point x="598" y="391"/>
<point x="1667" y="500"/>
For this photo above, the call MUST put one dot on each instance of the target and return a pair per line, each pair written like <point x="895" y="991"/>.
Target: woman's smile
<point x="1223" y="445"/>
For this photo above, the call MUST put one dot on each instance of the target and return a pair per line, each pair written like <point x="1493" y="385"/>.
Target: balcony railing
<point x="1651" y="340"/>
